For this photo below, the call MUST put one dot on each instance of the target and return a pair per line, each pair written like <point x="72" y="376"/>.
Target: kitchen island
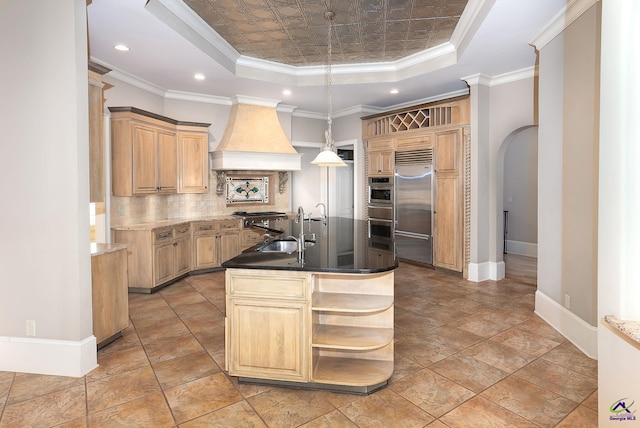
<point x="322" y="318"/>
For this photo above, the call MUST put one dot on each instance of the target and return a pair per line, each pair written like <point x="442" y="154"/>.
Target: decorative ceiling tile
<point x="295" y="31"/>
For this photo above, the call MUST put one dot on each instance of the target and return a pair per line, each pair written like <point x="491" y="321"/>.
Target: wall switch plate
<point x="567" y="301"/>
<point x="31" y="328"/>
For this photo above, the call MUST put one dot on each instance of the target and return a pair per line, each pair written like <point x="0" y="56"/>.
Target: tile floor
<point x="467" y="355"/>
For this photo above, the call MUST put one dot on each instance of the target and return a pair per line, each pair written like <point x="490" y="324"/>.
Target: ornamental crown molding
<point x="565" y="17"/>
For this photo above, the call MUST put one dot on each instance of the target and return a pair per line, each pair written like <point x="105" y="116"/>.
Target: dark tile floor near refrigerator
<point x="466" y="355"/>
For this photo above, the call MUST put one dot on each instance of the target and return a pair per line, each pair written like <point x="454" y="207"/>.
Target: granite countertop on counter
<point x="98" y="249"/>
<point x="341" y="246"/>
<point x="628" y="330"/>
<point x="155" y="224"/>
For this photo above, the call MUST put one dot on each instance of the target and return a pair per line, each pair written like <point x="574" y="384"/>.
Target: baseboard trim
<point x="479" y="272"/>
<point x="522" y="248"/>
<point x="583" y="335"/>
<point x="48" y="357"/>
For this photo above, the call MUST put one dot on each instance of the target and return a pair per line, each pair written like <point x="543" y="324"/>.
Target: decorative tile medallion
<point x="244" y="190"/>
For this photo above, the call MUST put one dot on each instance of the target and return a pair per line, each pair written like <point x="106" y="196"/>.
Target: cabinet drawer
<point x="247" y="283"/>
<point x="204" y="227"/>
<point x="160" y="235"/>
<point x="182" y="230"/>
<point x="228" y="224"/>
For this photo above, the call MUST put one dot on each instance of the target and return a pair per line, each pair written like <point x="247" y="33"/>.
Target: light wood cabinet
<point x="109" y="291"/>
<point x="268" y="324"/>
<point x="193" y="161"/>
<point x="310" y="327"/>
<point x="96" y="132"/>
<point x="152" y="154"/>
<point x="214" y="242"/>
<point x="380" y="157"/>
<point x="251" y="237"/>
<point x="157" y="256"/>
<point x="448" y="201"/>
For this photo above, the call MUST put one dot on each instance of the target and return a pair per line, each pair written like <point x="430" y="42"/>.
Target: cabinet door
<point x="228" y="246"/>
<point x="448" y="151"/>
<point x="167" y="162"/>
<point x="447" y="233"/>
<point x="250" y="237"/>
<point x="381" y="163"/>
<point x="267" y="338"/>
<point x="193" y="171"/>
<point x="163" y="263"/>
<point x="205" y="254"/>
<point x="182" y="256"/>
<point x="144" y="159"/>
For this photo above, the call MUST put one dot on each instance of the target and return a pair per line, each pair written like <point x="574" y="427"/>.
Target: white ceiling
<point x="169" y="44"/>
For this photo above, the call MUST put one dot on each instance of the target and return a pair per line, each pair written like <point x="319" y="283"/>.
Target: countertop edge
<point x="628" y="330"/>
<point x="98" y="249"/>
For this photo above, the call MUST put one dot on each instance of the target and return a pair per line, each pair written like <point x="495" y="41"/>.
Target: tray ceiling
<point x="294" y="32"/>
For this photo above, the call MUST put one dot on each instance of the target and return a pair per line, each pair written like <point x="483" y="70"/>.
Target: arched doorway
<point x="517" y="191"/>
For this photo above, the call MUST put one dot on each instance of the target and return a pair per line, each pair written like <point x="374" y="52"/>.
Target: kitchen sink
<point x="283" y="246"/>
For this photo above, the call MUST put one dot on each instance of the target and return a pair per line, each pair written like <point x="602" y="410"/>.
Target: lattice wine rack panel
<point x="414" y="119"/>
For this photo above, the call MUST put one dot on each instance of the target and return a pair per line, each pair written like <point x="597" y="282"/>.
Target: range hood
<point x="254" y="140"/>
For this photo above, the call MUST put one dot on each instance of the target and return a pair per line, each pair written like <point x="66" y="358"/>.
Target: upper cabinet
<point x="152" y="154"/>
<point x="193" y="166"/>
<point x="96" y="132"/>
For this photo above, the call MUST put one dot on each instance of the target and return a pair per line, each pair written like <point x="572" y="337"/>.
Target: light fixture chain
<point x="329" y="137"/>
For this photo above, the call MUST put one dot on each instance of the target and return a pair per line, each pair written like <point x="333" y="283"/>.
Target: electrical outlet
<point x="31" y="328"/>
<point x="567" y="301"/>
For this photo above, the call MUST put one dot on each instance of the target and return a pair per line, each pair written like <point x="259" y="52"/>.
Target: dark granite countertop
<point x="341" y="246"/>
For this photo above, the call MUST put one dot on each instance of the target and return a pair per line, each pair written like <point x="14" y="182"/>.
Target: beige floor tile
<point x="185" y="369"/>
<point x="432" y="392"/>
<point x="482" y="413"/>
<point x="536" y="325"/>
<point x="497" y="355"/>
<point x="27" y="386"/>
<point x="469" y="372"/>
<point x="211" y="338"/>
<point x="533" y="403"/>
<point x="558" y="379"/>
<point x="478" y="324"/>
<point x="150" y="410"/>
<point x="333" y="419"/>
<point x="121" y="361"/>
<point x="591" y="401"/>
<point x="582" y="417"/>
<point x="525" y="341"/>
<point x="172" y="347"/>
<point x="282" y="407"/>
<point x="46" y="410"/>
<point x="385" y="408"/>
<point x="238" y="415"/>
<point x="199" y="397"/>
<point x="121" y="388"/>
<point x="403" y="367"/>
<point x="570" y="357"/>
<point x="163" y="329"/>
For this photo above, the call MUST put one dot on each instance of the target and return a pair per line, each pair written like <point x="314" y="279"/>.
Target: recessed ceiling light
<point x="198" y="76"/>
<point x="286" y="92"/>
<point x="394" y="91"/>
<point x="122" y="48"/>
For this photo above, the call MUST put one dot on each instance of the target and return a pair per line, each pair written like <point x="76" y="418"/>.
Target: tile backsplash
<point x="140" y="209"/>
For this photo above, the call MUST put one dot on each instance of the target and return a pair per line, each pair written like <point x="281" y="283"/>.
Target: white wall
<point x="568" y="174"/>
<point x="618" y="228"/>
<point x="44" y="251"/>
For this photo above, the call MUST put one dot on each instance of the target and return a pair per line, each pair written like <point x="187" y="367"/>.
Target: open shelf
<point x="350" y="338"/>
<point x="351" y="371"/>
<point x="351" y="303"/>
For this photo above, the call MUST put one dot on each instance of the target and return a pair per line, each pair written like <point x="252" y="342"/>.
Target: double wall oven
<point x="380" y="209"/>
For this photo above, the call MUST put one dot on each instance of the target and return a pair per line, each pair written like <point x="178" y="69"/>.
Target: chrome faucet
<point x="324" y="212"/>
<point x="300" y="219"/>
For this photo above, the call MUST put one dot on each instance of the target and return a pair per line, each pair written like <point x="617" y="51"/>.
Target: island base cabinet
<point x="316" y="330"/>
<point x="267" y="324"/>
<point x="268" y="340"/>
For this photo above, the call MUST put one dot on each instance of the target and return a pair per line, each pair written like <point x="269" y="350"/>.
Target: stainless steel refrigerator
<point x="413" y="211"/>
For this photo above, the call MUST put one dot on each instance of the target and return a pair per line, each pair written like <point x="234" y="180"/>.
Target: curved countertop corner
<point x="342" y="245"/>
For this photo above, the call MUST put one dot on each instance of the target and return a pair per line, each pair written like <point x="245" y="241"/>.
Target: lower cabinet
<point x="156" y="256"/>
<point x="109" y="289"/>
<point x="214" y="242"/>
<point x="310" y="327"/>
<point x="250" y="237"/>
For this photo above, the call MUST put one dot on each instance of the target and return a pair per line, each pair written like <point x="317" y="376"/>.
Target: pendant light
<point x="328" y="156"/>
